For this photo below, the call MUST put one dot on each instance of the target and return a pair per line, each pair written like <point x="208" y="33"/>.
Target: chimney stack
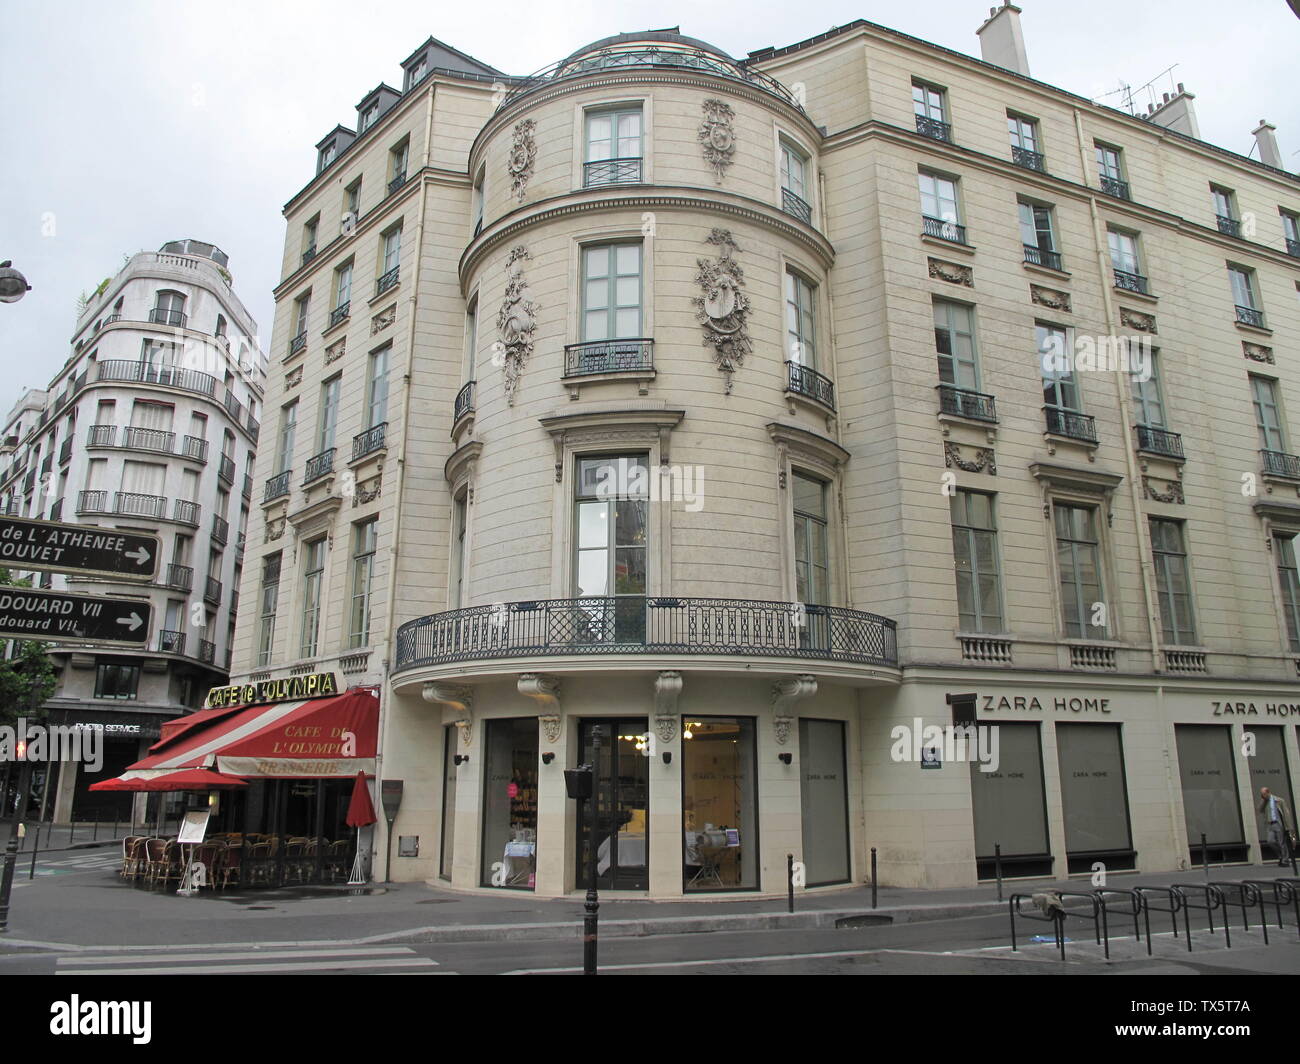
<point x="1269" y="153"/>
<point x="1176" y="112"/>
<point x="1001" y="41"/>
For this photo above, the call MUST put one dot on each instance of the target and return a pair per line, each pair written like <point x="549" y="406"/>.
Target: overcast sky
<point x="130" y="123"/>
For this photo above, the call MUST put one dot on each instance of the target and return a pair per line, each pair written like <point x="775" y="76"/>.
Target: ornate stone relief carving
<point x="1136" y="319"/>
<point x="293" y="378"/>
<point x="951" y="272"/>
<point x="545" y="690"/>
<point x="785" y="694"/>
<point x="275" y="529"/>
<point x="1257" y="352"/>
<point x="367" y="491"/>
<point x="723" y="309"/>
<point x="458" y="698"/>
<point x="516" y="320"/>
<point x="1050" y="298"/>
<point x="1172" y="493"/>
<point x="668" y="687"/>
<point x="383" y="320"/>
<point x="717" y="136"/>
<point x="523" y="153"/>
<point x="985" y="461"/>
<point x="336" y="351"/>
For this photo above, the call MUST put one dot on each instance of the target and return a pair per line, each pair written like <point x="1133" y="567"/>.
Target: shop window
<point x="719" y="804"/>
<point x="1010" y="808"/>
<point x="1207" y="767"/>
<point x="114" y="680"/>
<point x="510" y="804"/>
<point x="1094" y="798"/>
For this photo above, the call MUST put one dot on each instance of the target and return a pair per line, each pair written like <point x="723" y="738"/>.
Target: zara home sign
<point x="279" y="689"/>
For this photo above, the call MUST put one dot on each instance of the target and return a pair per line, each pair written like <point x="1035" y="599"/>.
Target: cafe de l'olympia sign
<point x="277" y="689"/>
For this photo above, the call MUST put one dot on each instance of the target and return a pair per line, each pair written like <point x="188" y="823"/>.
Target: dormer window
<point x="416" y="74"/>
<point x="368" y="117"/>
<point x="327" y="155"/>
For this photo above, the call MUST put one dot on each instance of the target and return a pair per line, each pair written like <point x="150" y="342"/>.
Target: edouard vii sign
<point x="279" y="689"/>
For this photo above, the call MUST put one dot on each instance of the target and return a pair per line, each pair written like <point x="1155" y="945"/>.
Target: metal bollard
<point x="789" y="882"/>
<point x="997" y="866"/>
<point x="873" y="877"/>
<point x="1205" y="857"/>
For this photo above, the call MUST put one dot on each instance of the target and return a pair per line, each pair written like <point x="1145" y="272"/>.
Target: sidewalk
<point x="56" y="837"/>
<point x="90" y="907"/>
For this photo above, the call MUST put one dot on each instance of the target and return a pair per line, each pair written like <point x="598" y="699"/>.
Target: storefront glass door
<point x="450" y="738"/>
<point x="621" y="803"/>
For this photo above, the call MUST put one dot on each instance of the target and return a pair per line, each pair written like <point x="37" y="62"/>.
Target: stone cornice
<point x="656" y="197"/>
<point x="460" y="461"/>
<point x="800" y="441"/>
<point x="1075" y="478"/>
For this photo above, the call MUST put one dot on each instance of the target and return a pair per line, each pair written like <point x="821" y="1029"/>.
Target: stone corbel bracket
<point x="545" y="690"/>
<point x="668" y="688"/>
<point x="785" y="695"/>
<point x="459" y="699"/>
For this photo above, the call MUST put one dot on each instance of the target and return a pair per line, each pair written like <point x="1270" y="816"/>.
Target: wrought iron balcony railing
<point x="464" y="401"/>
<point x="1293" y="247"/>
<point x="226" y="469"/>
<point x="1281" y="464"/>
<point x="318" y="465"/>
<point x="186" y="512"/>
<point x="132" y="502"/>
<point x="308" y="254"/>
<point x="167" y="317"/>
<point x="1042" y="257"/>
<point x="65" y="451"/>
<point x="149" y="440"/>
<point x="949" y="231"/>
<point x="298" y="343"/>
<point x="1132" y="282"/>
<point x="254" y="426"/>
<point x="233" y="406"/>
<point x="1113" y="186"/>
<point x="212" y="590"/>
<point x="934" y="129"/>
<point x="1159" y="441"/>
<point x="194" y="447"/>
<point x="793" y="203"/>
<point x="171" y="642"/>
<point x="207" y="652"/>
<point x="220" y="529"/>
<point x="278" y="485"/>
<point x="608" y="356"/>
<point x="364" y="443"/>
<point x="397" y="182"/>
<point x="181" y="577"/>
<point x="92" y="502"/>
<point x="963" y="402"/>
<point x="188" y="380"/>
<point x="611" y="172"/>
<point x="642" y="625"/>
<point x="339" y="313"/>
<point x="1071" y="424"/>
<point x="1228" y="225"/>
<point x="247" y="489"/>
<point x="806" y="381"/>
<point x="1250" y="316"/>
<point x="387" y="280"/>
<point x="1030" y="160"/>
<point x="56" y="511"/>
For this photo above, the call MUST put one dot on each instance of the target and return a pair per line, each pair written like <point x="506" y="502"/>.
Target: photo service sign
<point x="282" y="689"/>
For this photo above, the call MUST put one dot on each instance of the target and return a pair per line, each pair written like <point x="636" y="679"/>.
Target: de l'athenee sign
<point x="55" y="547"/>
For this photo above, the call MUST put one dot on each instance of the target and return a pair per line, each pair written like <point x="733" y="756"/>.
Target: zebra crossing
<point x="243" y="960"/>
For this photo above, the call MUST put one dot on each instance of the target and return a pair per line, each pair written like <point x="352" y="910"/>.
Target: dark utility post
<point x="20" y="815"/>
<point x="579" y="783"/>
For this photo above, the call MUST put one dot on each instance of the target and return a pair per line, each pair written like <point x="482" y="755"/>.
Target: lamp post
<point x="20" y="814"/>
<point x="579" y="782"/>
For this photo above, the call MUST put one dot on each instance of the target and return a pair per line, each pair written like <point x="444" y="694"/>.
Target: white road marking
<point x="235" y="955"/>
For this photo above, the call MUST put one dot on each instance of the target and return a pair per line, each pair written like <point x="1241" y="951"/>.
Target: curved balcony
<point x="657" y="626"/>
<point x="649" y="56"/>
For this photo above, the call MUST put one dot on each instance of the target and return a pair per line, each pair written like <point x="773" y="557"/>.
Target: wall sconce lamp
<point x="785" y="759"/>
<point x="668" y="757"/>
<point x="548" y="757"/>
<point x="460" y="759"/>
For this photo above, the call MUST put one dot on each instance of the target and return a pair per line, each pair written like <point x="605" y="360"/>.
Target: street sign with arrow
<point x="26" y="613"/>
<point x="82" y="550"/>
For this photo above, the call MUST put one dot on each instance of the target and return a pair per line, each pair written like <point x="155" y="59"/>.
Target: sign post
<point x="26" y="613"/>
<point x="55" y="547"/>
<point x="390" y="795"/>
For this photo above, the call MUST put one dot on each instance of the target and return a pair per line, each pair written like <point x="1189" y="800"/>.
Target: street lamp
<point x="13" y="285"/>
<point x="20" y="815"/>
<point x="579" y="782"/>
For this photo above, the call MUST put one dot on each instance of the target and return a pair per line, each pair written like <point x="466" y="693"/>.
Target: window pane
<point x="593" y="566"/>
<point x="719" y="805"/>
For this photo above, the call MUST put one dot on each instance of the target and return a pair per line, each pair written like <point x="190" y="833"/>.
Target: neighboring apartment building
<point x="713" y="419"/>
<point x="152" y="426"/>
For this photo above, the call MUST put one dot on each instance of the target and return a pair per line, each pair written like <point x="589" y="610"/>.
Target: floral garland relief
<point x="722" y="308"/>
<point x="523" y="153"/>
<point x="717" y="136"/>
<point x="515" y="322"/>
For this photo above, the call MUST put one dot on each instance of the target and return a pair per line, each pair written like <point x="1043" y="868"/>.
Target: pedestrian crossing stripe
<point x="235" y="961"/>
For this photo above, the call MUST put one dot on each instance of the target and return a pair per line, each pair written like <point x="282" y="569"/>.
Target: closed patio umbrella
<point x="361" y="813"/>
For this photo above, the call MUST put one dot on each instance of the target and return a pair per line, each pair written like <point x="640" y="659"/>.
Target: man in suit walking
<point x="1277" y="815"/>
